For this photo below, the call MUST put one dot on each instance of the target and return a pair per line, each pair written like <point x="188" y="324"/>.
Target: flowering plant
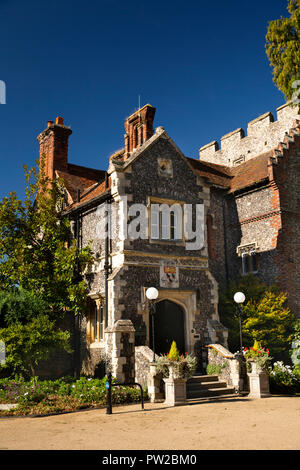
<point x="283" y="379"/>
<point x="295" y="351"/>
<point x="63" y="394"/>
<point x="258" y="354"/>
<point x="183" y="365"/>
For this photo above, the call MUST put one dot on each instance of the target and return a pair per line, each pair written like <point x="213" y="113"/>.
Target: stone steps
<point x="197" y="401"/>
<point x="203" y="378"/>
<point x="205" y="386"/>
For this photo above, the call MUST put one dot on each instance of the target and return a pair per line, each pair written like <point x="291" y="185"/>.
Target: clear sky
<point x="202" y="64"/>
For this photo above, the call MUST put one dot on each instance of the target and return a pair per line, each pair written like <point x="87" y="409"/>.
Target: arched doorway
<point x="168" y="327"/>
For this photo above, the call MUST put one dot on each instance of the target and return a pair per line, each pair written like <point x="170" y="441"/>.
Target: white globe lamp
<point x="152" y="293"/>
<point x="239" y="297"/>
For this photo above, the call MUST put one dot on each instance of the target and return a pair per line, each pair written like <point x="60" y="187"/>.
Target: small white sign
<point x="2" y="92"/>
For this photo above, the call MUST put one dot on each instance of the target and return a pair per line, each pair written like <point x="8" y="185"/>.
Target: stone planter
<point x="175" y="390"/>
<point x="258" y="381"/>
<point x="153" y="382"/>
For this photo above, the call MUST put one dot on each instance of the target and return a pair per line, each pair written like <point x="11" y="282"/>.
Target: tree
<point x="265" y="316"/>
<point x="253" y="289"/>
<point x="283" y="51"/>
<point x="37" y="252"/>
<point x="269" y="322"/>
<point x="19" y="305"/>
<point x="26" y="345"/>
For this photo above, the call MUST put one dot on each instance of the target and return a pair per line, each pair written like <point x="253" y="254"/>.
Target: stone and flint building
<point x="157" y="218"/>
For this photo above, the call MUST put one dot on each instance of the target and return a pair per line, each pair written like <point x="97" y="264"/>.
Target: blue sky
<point x="201" y="64"/>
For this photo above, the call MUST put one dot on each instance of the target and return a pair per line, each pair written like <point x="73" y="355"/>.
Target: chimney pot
<point x="60" y="120"/>
<point x="50" y="123"/>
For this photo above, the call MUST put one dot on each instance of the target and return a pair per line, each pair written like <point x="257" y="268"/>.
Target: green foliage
<point x="269" y="321"/>
<point x="283" y="379"/>
<point x="215" y="369"/>
<point x="258" y="354"/>
<point x="184" y="366"/>
<point x="173" y="353"/>
<point x="36" y="251"/>
<point x="283" y="49"/>
<point x="295" y="351"/>
<point x="27" y="344"/>
<point x="253" y="289"/>
<point x="19" y="305"/>
<point x="265" y="317"/>
<point x="64" y="394"/>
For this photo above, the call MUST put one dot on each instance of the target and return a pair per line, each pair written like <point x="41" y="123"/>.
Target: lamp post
<point x="152" y="294"/>
<point x="239" y="298"/>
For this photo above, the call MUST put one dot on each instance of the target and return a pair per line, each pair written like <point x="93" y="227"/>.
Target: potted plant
<point x="176" y="369"/>
<point x="257" y="357"/>
<point x="258" y="360"/>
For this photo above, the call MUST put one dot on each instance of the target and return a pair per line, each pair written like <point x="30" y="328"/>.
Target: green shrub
<point x="45" y="396"/>
<point x="283" y="379"/>
<point x="295" y="351"/>
<point x="212" y="369"/>
<point x="183" y="367"/>
<point x="173" y="353"/>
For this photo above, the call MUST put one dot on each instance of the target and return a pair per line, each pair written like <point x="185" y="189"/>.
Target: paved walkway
<point x="238" y="423"/>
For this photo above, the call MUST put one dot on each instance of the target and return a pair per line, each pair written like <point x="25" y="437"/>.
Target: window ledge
<point x="97" y="345"/>
<point x="166" y="242"/>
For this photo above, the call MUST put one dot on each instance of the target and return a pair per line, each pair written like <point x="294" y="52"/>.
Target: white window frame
<point x="162" y="229"/>
<point x="246" y="252"/>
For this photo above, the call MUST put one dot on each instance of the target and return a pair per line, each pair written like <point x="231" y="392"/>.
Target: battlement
<point x="263" y="134"/>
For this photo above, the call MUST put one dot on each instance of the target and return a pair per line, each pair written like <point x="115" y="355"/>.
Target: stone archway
<point x="169" y="326"/>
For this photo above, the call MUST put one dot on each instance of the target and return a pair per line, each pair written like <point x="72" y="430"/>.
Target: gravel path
<point x="238" y="423"/>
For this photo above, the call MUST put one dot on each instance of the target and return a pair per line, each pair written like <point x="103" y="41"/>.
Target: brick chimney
<point x="139" y="128"/>
<point x="54" y="146"/>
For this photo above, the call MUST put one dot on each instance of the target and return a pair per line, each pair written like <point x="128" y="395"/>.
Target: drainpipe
<point x="77" y="318"/>
<point x="107" y="267"/>
<point x="225" y="242"/>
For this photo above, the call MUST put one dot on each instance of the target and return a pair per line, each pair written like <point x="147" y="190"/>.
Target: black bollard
<point x="108" y="394"/>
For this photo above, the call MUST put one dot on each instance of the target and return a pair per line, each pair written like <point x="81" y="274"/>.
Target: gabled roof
<point x="91" y="193"/>
<point x="250" y="172"/>
<point x="89" y="181"/>
<point x="235" y="178"/>
<point x="216" y="174"/>
<point x="80" y="178"/>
